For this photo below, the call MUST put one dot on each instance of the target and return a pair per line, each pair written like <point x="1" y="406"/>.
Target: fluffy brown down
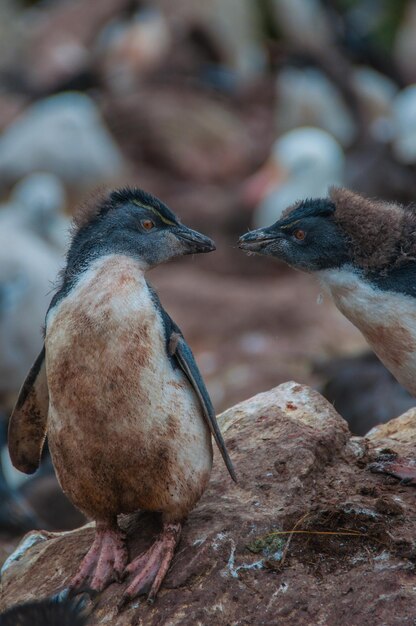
<point x="382" y="234"/>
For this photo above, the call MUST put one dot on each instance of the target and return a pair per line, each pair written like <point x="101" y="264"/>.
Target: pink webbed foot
<point x="104" y="562"/>
<point x="392" y="464"/>
<point x="150" y="568"/>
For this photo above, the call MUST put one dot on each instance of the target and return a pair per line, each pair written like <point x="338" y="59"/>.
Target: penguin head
<point x="134" y="223"/>
<point x="345" y="228"/>
<point x="307" y="237"/>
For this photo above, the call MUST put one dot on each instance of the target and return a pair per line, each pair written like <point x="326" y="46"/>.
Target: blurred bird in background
<point x="37" y="205"/>
<point x="303" y="162"/>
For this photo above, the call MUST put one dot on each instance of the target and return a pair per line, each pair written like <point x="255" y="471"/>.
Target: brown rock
<point x="389" y="506"/>
<point x="305" y="537"/>
<point x="401" y="431"/>
<point x="394" y="448"/>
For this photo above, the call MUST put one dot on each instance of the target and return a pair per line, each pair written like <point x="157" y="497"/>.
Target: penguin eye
<point x="148" y="224"/>
<point x="299" y="234"/>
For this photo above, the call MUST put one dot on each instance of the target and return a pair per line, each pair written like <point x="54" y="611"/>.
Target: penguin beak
<point x="195" y="242"/>
<point x="256" y="240"/>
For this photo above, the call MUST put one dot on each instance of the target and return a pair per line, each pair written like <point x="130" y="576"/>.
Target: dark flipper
<point x="179" y="349"/>
<point x="27" y="426"/>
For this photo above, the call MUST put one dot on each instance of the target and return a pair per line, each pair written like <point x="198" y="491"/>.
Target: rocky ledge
<point x="308" y="536"/>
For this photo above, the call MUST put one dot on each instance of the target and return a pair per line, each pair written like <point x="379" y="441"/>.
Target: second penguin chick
<point x="117" y="389"/>
<point x="363" y="251"/>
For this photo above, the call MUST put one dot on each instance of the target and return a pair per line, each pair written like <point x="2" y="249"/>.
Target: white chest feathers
<point x="386" y="319"/>
<point x="107" y="338"/>
<point x="125" y="428"/>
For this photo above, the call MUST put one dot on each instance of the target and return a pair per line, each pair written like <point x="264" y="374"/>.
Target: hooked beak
<point x="258" y="239"/>
<point x="195" y="242"/>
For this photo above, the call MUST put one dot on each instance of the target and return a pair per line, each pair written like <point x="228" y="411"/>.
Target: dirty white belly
<point x="386" y="319"/>
<point x="125" y="428"/>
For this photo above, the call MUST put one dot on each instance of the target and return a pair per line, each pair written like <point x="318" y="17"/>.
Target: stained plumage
<point x="364" y="253"/>
<point x="117" y="389"/>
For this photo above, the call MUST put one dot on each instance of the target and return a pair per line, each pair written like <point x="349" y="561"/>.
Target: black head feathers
<point x="131" y="223"/>
<point x="313" y="207"/>
<point x="143" y="199"/>
<point x="102" y="201"/>
<point x="381" y="234"/>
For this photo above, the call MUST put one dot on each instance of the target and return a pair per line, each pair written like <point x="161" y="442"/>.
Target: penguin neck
<point x="112" y="274"/>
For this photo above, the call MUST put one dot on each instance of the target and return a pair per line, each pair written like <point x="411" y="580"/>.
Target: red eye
<point x="299" y="234"/>
<point x="147" y="224"/>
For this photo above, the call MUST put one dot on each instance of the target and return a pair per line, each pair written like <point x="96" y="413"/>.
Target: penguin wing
<point x="27" y="425"/>
<point x="179" y="349"/>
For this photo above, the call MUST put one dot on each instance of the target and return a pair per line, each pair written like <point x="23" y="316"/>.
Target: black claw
<point x="123" y="602"/>
<point x="124" y="576"/>
<point x="61" y="596"/>
<point x="83" y="593"/>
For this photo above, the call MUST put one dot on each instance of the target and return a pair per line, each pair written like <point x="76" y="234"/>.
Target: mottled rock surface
<point x="308" y="536"/>
<point x="400" y="431"/>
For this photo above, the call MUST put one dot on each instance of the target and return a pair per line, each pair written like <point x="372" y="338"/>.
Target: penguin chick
<point x="364" y="253"/>
<point x="117" y="389"/>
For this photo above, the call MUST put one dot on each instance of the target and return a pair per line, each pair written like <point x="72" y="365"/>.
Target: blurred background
<point x="229" y="111"/>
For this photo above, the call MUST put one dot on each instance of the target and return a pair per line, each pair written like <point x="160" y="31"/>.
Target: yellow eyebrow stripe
<point x="290" y="225"/>
<point x="155" y="211"/>
<point x="164" y="219"/>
